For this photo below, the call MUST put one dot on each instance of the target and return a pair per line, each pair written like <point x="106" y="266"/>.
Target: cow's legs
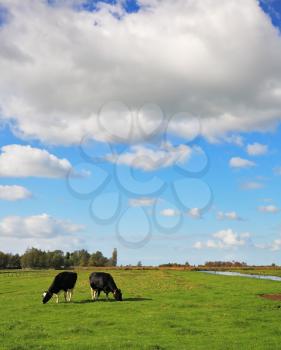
<point x="57" y="298"/>
<point x="70" y="292"/>
<point x="92" y="294"/>
<point x="107" y="296"/>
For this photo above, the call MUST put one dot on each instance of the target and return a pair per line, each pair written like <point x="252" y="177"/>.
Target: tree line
<point x="225" y="264"/>
<point x="36" y="258"/>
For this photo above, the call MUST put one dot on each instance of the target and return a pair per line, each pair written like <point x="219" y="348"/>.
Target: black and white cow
<point x="103" y="282"/>
<point x="64" y="281"/>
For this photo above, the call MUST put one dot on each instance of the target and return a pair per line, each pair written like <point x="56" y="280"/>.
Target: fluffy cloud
<point x="269" y="209"/>
<point x="224" y="239"/>
<point x="18" y="245"/>
<point x="237" y="162"/>
<point x="23" y="161"/>
<point x="257" y="149"/>
<point x="217" y="60"/>
<point x="142" y="202"/>
<point x="149" y="159"/>
<point x="37" y="226"/>
<point x="169" y="212"/>
<point x="14" y="193"/>
<point x="232" y="215"/>
<point x="275" y="245"/>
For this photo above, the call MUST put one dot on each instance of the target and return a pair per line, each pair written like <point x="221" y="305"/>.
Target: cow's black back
<point x="101" y="280"/>
<point x="63" y="281"/>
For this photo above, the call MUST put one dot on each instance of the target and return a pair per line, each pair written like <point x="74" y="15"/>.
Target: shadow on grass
<point x="137" y="299"/>
<point x="87" y="301"/>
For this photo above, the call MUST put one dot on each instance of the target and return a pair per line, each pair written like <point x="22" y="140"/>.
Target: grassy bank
<point x="162" y="309"/>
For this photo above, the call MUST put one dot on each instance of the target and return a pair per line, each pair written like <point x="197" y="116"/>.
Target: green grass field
<point x="162" y="309"/>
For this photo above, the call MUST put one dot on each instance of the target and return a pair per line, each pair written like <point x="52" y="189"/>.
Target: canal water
<point x="228" y="273"/>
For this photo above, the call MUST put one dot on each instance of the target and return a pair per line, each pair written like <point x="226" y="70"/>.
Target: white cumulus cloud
<point x="257" y="149"/>
<point x="218" y="60"/>
<point x="224" y="239"/>
<point x="168" y="212"/>
<point x="275" y="245"/>
<point x="14" y="192"/>
<point x="149" y="159"/>
<point x="269" y="209"/>
<point x="37" y="226"/>
<point x="24" y="161"/>
<point x="237" y="162"/>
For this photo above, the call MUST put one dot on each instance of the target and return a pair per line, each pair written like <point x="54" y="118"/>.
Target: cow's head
<point x="118" y="295"/>
<point x="46" y="297"/>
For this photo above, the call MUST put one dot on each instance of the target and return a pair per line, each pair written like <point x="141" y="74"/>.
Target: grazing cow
<point x="63" y="281"/>
<point x="102" y="281"/>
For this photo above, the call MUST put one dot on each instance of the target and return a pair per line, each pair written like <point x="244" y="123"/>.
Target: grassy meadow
<point x="162" y="309"/>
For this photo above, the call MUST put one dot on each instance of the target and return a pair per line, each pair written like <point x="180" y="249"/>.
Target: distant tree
<point x="74" y="256"/>
<point x="114" y="257"/>
<point x="14" y="261"/>
<point x="34" y="258"/>
<point x="80" y="257"/>
<point x="55" y="259"/>
<point x="139" y="264"/>
<point x="97" y="259"/>
<point x="225" y="264"/>
<point x="84" y="258"/>
<point x="171" y="265"/>
<point x="67" y="260"/>
<point x="3" y="260"/>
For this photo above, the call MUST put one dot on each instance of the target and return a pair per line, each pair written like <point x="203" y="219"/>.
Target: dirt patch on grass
<point x="276" y="297"/>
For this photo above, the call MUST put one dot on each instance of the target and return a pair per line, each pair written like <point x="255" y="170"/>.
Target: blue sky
<point x="122" y="129"/>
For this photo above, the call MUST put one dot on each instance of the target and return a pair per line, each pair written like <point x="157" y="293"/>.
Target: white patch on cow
<point x="44" y="294"/>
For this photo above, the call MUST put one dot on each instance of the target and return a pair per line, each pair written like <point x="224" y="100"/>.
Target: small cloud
<point x="269" y="209"/>
<point x="273" y="246"/>
<point x="266" y="200"/>
<point x="257" y="149"/>
<point x="224" y="239"/>
<point x="232" y="215"/>
<point x="24" y="161"/>
<point x="235" y="139"/>
<point x="194" y="213"/>
<point x="198" y="245"/>
<point x="237" y="162"/>
<point x="277" y="171"/>
<point x="169" y="212"/>
<point x="150" y="159"/>
<point x="142" y="202"/>
<point x="14" y="193"/>
<point x="252" y="185"/>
